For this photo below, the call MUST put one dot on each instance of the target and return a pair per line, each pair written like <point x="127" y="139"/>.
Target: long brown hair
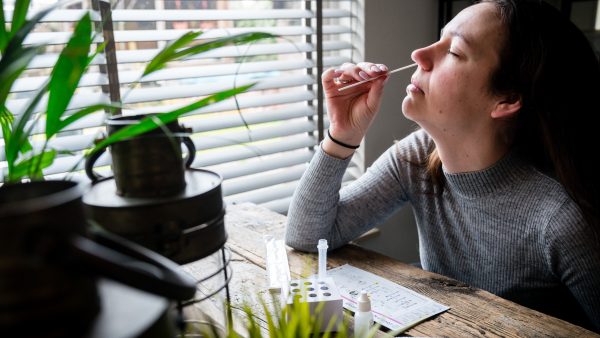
<point x="550" y="63"/>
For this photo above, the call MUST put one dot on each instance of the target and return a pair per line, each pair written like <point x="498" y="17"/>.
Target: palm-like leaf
<point x="66" y="74"/>
<point x="176" y="50"/>
<point x="15" y="56"/>
<point x="32" y="166"/>
<point x="19" y="14"/>
<point x="150" y="123"/>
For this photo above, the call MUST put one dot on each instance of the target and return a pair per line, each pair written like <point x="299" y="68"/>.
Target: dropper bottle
<point x="363" y="317"/>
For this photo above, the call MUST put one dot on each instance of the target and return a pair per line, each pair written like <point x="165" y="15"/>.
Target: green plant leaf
<point x="229" y="40"/>
<point x="6" y="121"/>
<point x="84" y="112"/>
<point x="11" y="67"/>
<point x="27" y="166"/>
<point x="150" y="123"/>
<point x="67" y="73"/>
<point x="166" y="55"/>
<point x="19" y="138"/>
<point x="19" y="14"/>
<point x="16" y="57"/>
<point x="3" y="32"/>
<point x="273" y="332"/>
<point x="16" y="38"/>
<point x="171" y="54"/>
<point x="252" y="326"/>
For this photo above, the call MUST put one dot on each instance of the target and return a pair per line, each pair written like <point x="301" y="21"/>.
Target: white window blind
<point x="261" y="163"/>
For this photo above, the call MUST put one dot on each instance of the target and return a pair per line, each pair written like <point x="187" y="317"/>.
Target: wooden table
<point x="473" y="312"/>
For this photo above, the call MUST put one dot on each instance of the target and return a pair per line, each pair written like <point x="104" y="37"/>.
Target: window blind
<point x="261" y="141"/>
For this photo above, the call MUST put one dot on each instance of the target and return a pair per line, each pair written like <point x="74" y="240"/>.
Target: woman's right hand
<point x="352" y="111"/>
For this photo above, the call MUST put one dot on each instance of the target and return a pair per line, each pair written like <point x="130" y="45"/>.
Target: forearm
<point x="313" y="209"/>
<point x="319" y="209"/>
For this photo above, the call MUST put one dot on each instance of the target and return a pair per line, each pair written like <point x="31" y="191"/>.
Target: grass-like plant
<point x="26" y="162"/>
<point x="291" y="321"/>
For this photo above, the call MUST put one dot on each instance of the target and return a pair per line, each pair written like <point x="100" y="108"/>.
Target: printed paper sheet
<point x="393" y="305"/>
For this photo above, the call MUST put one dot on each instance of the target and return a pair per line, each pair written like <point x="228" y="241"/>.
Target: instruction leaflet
<point x="393" y="306"/>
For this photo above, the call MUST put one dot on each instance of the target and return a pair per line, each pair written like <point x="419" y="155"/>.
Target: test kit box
<point x="316" y="291"/>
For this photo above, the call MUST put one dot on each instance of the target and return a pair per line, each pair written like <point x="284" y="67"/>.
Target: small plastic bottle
<point x="322" y="248"/>
<point x="363" y="317"/>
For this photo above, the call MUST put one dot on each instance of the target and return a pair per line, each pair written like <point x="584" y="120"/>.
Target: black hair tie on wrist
<point x="340" y="142"/>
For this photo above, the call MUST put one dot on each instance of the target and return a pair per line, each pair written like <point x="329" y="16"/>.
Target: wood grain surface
<point x="473" y="312"/>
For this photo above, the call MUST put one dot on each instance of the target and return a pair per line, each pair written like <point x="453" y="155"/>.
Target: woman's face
<point x="450" y="92"/>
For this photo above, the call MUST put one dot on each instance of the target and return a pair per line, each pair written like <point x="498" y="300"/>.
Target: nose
<point x="423" y="57"/>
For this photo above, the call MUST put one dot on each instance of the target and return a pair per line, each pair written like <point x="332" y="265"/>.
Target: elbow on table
<point x="299" y="244"/>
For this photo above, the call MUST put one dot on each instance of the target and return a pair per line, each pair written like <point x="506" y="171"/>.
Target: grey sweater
<point x="508" y="229"/>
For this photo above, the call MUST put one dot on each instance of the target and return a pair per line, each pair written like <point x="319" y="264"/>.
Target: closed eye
<point x="452" y="53"/>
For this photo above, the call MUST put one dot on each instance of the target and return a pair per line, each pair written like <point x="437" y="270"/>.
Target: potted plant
<point x="41" y="222"/>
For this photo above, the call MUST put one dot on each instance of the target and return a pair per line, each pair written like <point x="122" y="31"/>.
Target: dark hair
<point x="550" y="63"/>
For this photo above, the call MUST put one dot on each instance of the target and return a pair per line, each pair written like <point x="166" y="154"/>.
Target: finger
<point x="329" y="74"/>
<point x="327" y="78"/>
<point x="346" y="73"/>
<point x="376" y="93"/>
<point x="340" y="77"/>
<point x="334" y="77"/>
<point x="347" y="65"/>
<point x="383" y="67"/>
<point x="371" y="69"/>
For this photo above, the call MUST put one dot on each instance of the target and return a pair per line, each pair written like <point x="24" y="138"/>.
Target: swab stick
<point x="371" y="79"/>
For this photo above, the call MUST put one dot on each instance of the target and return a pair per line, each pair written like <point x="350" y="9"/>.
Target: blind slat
<point x="255" y="134"/>
<point x="141" y="15"/>
<point x="229" y="14"/>
<point x="150" y="35"/>
<point x="223" y="121"/>
<point x="244" y="102"/>
<point x="145" y="55"/>
<point x="126" y="77"/>
<point x="265" y="162"/>
<point x="251" y="150"/>
<point x="264" y="179"/>
<point x="203" y="89"/>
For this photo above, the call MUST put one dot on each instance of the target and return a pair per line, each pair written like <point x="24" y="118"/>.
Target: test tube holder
<point x="315" y="291"/>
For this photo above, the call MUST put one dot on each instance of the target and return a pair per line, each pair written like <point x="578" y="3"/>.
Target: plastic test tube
<point x="322" y="247"/>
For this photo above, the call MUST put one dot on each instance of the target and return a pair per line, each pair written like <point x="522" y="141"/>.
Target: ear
<point x="507" y="106"/>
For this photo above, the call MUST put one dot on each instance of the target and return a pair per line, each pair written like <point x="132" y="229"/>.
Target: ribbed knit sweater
<point x="507" y="229"/>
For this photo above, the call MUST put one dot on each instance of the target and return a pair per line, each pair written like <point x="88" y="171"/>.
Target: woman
<point x="499" y="176"/>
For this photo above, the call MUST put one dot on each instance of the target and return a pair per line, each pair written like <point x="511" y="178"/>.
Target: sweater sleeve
<point x="319" y="209"/>
<point x="573" y="253"/>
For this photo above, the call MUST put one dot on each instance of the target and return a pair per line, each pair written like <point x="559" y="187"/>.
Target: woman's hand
<point x="351" y="111"/>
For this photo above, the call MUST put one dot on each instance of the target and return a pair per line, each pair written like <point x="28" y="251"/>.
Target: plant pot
<point x="147" y="165"/>
<point x="49" y="267"/>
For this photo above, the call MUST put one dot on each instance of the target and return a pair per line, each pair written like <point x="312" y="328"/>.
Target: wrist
<point x="351" y="138"/>
<point x="335" y="150"/>
<point x="338" y="148"/>
<point x="342" y="143"/>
